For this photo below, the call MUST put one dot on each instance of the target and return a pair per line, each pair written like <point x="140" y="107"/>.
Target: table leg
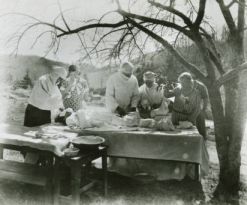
<point x="56" y="182"/>
<point x="197" y="172"/>
<point x="75" y="182"/>
<point x="49" y="182"/>
<point x="1" y="152"/>
<point x="104" y="167"/>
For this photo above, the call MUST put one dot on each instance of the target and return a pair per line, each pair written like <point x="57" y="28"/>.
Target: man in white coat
<point x="122" y="93"/>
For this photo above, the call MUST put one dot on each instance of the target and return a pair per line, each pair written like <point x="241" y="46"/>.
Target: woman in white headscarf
<point x="45" y="98"/>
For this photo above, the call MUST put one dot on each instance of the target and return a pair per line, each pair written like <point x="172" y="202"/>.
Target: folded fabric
<point x="147" y="123"/>
<point x="184" y="125"/>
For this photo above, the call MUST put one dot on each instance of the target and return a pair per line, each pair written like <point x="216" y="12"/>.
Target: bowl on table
<point x="87" y="143"/>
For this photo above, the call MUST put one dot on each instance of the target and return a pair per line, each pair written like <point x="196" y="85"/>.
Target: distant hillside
<point x="16" y="67"/>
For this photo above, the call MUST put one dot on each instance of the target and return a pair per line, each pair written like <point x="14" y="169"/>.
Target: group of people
<point x="62" y="89"/>
<point x="123" y="95"/>
<point x="59" y="89"/>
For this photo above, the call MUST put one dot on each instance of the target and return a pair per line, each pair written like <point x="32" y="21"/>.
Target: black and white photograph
<point x="123" y="102"/>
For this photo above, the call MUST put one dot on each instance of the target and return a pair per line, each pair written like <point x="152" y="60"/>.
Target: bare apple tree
<point x="121" y="33"/>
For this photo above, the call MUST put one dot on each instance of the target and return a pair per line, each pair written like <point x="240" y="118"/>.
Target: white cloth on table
<point x="158" y="169"/>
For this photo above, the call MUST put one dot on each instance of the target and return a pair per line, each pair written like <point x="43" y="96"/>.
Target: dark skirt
<point x="36" y="117"/>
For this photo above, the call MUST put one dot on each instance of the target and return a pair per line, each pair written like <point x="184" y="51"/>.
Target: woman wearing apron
<point x="45" y="97"/>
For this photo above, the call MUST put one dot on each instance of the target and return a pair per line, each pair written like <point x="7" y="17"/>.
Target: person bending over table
<point x="190" y="104"/>
<point x="151" y="96"/>
<point x="45" y="97"/>
<point x="122" y="91"/>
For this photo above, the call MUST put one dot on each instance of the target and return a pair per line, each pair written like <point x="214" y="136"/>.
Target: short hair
<point x="185" y="75"/>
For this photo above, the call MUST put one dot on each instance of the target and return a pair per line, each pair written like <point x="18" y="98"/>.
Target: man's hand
<point x="160" y="88"/>
<point x="120" y="111"/>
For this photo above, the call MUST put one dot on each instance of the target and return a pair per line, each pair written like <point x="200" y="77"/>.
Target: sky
<point x="78" y="10"/>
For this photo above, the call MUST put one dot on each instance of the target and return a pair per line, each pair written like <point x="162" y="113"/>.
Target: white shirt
<point x="121" y="91"/>
<point x="153" y="95"/>
<point x="45" y="94"/>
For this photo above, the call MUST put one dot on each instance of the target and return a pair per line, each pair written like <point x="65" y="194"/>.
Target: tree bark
<point x="235" y="105"/>
<point x="236" y="115"/>
<point x="220" y="131"/>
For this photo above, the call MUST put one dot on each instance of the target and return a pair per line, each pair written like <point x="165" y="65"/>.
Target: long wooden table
<point x="180" y="145"/>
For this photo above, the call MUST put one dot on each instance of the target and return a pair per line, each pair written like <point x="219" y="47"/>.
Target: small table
<point x="76" y="165"/>
<point x="17" y="137"/>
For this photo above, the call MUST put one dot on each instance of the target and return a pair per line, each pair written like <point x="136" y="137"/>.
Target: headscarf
<point x="150" y="76"/>
<point x="59" y="72"/>
<point x="126" y="68"/>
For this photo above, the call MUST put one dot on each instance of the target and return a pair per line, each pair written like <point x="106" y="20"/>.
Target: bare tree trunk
<point x="235" y="109"/>
<point x="220" y="132"/>
<point x="233" y="123"/>
<point x="235" y="139"/>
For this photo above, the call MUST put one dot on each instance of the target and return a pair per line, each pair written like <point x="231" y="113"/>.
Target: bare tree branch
<point x="180" y="58"/>
<point x="99" y="21"/>
<point x="38" y="22"/>
<point x="62" y="15"/>
<point x="96" y="25"/>
<point x="231" y="3"/>
<point x="39" y="36"/>
<point x="186" y="20"/>
<point x="105" y="35"/>
<point x="85" y="48"/>
<point x="157" y="21"/>
<point x="241" y="16"/>
<point x="20" y="14"/>
<point x="228" y="16"/>
<point x="230" y="75"/>
<point x="216" y="62"/>
<point x="200" y="14"/>
<point x="130" y="30"/>
<point x="213" y="53"/>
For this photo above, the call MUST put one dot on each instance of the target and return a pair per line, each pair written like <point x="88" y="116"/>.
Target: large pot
<point x="88" y="142"/>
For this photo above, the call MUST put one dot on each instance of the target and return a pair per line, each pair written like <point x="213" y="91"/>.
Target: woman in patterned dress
<point x="74" y="89"/>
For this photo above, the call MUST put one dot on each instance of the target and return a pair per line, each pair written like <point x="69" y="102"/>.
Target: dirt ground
<point x="123" y="190"/>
